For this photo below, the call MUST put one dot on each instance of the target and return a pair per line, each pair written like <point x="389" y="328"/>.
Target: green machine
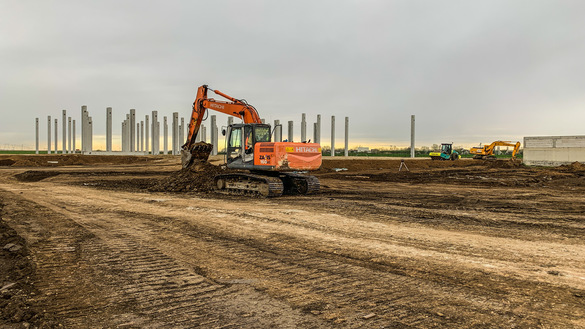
<point x="447" y="153"/>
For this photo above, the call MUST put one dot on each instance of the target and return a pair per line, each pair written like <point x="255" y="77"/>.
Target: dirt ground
<point x="132" y="242"/>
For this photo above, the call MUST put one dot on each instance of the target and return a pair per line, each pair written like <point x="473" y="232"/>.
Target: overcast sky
<point x="471" y="71"/>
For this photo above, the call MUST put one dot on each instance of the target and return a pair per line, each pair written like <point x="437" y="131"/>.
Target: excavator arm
<point x="238" y="108"/>
<point x="488" y="150"/>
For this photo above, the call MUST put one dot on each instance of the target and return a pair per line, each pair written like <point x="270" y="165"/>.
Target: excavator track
<point x="249" y="184"/>
<point x="300" y="184"/>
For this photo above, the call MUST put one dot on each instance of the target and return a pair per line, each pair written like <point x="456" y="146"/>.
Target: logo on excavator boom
<point x="217" y="106"/>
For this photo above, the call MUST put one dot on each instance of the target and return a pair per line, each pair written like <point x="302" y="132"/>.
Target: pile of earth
<point x="35" y="176"/>
<point x="196" y="178"/>
<point x="574" y="167"/>
<point x="16" y="289"/>
<point x="509" y="163"/>
<point x="56" y="160"/>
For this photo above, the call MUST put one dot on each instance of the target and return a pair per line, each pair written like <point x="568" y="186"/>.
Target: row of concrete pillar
<point x="68" y="139"/>
<point x="144" y="136"/>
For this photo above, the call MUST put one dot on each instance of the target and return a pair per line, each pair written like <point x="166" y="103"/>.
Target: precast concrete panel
<point x="553" y="150"/>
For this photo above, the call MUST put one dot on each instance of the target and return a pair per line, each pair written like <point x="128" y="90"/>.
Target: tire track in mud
<point x="340" y="289"/>
<point x="336" y="285"/>
<point x="90" y="274"/>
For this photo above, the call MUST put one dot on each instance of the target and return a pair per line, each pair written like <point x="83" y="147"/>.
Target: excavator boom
<point x="238" y="108"/>
<point x="487" y="151"/>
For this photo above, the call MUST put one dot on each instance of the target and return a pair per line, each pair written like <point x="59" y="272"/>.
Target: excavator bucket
<point x="199" y="152"/>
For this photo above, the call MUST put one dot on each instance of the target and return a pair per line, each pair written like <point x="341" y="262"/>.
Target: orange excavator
<point x="272" y="168"/>
<point x="487" y="151"/>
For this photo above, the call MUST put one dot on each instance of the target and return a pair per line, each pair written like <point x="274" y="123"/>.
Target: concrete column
<point x="290" y="131"/>
<point x="132" y="126"/>
<point x="314" y="132"/>
<point x="56" y="137"/>
<point x="69" y="149"/>
<point x="175" y="139"/>
<point x="412" y="136"/>
<point x="165" y="136"/>
<point x="123" y="136"/>
<point x="332" y="135"/>
<point x="182" y="132"/>
<point x="304" y="127"/>
<point x="154" y="132"/>
<point x="141" y="135"/>
<point x="73" y="145"/>
<point x="146" y="132"/>
<point x="346" y="151"/>
<point x="137" y="136"/>
<point x="214" y="137"/>
<point x="84" y="116"/>
<point x="108" y="129"/>
<point x="49" y="135"/>
<point x="318" y="134"/>
<point x="157" y="130"/>
<point x="90" y="134"/>
<point x="125" y="141"/>
<point x="277" y="131"/>
<point x="230" y="122"/>
<point x="64" y="120"/>
<point x="203" y="131"/>
<point x="37" y="136"/>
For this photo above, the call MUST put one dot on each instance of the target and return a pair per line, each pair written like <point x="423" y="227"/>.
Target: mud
<point x="446" y="244"/>
<point x="197" y="178"/>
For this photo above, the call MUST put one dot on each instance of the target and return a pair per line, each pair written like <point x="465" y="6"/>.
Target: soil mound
<point x="56" y="160"/>
<point x="197" y="178"/>
<point x="34" y="175"/>
<point x="504" y="163"/>
<point x="7" y="162"/>
<point x="575" y="166"/>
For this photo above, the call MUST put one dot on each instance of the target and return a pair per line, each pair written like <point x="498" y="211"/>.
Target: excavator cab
<point x="241" y="139"/>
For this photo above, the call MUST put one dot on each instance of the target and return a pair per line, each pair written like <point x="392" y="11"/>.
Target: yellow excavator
<point x="487" y="151"/>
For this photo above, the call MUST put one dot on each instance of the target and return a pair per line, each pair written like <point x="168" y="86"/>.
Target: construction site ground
<point x="132" y="242"/>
